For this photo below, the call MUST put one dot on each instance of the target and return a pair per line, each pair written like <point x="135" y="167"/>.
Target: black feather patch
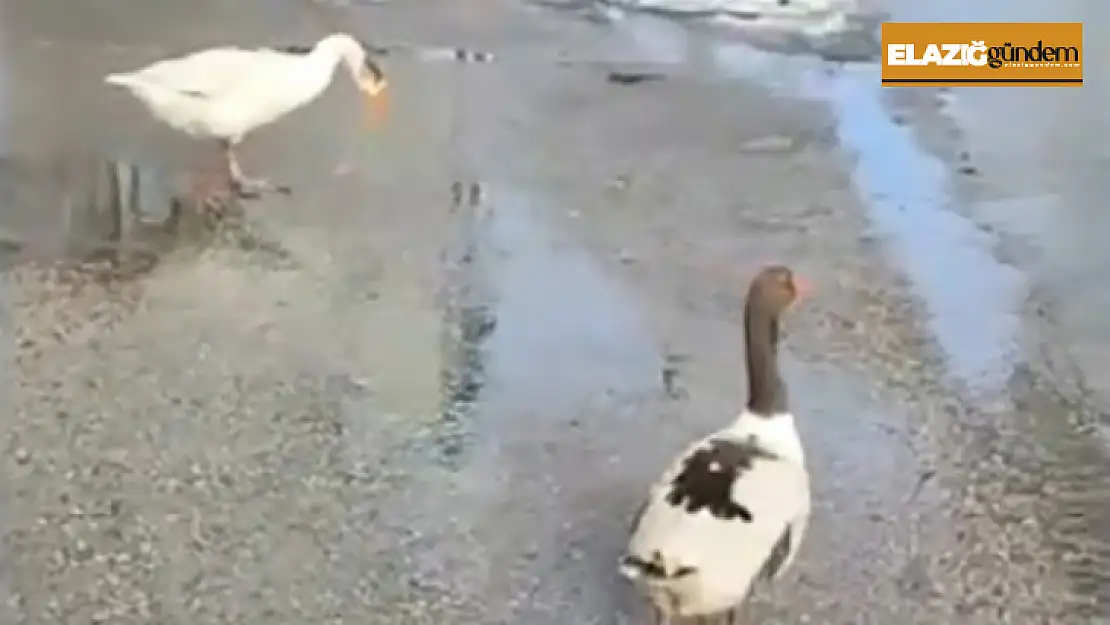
<point x="707" y="477"/>
<point x="655" y="567"/>
<point x="375" y="49"/>
<point x="650" y="568"/>
<point x="374" y="69"/>
<point x="777" y="557"/>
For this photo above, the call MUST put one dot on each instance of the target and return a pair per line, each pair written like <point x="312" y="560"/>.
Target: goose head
<point x="775" y="288"/>
<point x="365" y="72"/>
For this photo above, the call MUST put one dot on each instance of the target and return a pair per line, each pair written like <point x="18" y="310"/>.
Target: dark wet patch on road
<point x="469" y="319"/>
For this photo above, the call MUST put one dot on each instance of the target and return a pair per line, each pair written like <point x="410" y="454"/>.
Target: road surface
<point x="369" y="405"/>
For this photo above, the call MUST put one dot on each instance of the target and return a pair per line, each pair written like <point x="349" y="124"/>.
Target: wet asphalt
<point x="393" y="398"/>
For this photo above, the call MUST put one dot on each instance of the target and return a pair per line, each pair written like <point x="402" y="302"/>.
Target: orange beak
<point x="802" y="288"/>
<point x="376" y="105"/>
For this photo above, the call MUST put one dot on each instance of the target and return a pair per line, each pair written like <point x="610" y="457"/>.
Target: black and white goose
<point x="730" y="511"/>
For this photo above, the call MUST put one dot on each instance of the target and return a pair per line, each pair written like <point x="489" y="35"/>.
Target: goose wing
<point x="728" y="511"/>
<point x="215" y="72"/>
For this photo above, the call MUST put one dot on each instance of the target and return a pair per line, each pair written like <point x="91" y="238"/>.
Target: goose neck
<point x="766" y="390"/>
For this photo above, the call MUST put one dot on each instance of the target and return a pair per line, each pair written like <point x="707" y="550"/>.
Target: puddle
<point x="97" y="211"/>
<point x="553" y="301"/>
<point x="532" y="321"/>
<point x="971" y="296"/>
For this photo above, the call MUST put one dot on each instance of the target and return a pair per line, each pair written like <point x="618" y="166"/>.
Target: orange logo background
<point x="1029" y="54"/>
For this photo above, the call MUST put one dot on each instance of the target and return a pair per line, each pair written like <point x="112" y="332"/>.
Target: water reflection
<point x="93" y="207"/>
<point x="469" y="313"/>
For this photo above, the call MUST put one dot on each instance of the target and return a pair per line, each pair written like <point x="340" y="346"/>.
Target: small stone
<point x="22" y="455"/>
<point x="769" y="144"/>
<point x="82" y="549"/>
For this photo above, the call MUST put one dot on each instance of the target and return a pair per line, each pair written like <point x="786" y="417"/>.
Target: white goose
<point x="225" y="93"/>
<point x="730" y="511"/>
